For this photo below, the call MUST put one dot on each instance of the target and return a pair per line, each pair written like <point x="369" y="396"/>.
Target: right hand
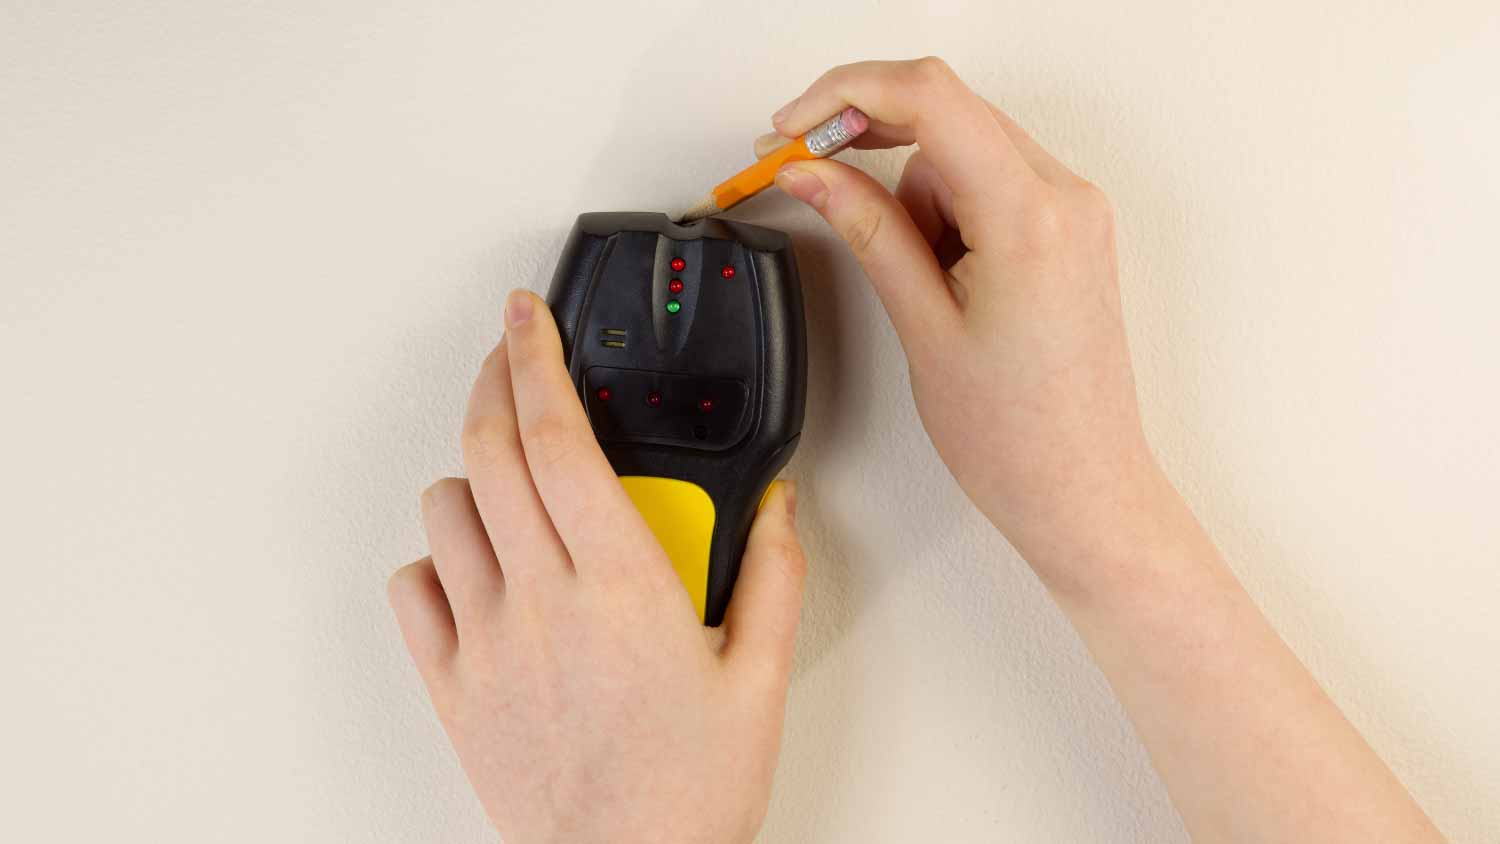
<point x="997" y="266"/>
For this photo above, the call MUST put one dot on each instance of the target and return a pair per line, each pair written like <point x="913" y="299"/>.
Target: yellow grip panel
<point x="682" y="516"/>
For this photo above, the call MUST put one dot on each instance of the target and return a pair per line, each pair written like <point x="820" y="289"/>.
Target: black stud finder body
<point x="688" y="348"/>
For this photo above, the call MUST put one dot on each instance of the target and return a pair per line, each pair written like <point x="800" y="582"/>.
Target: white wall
<point x="252" y="254"/>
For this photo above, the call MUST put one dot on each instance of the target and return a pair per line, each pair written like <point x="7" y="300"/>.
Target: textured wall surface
<point x="252" y="254"/>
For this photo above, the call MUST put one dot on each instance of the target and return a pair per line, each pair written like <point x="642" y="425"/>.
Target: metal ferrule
<point x="828" y="137"/>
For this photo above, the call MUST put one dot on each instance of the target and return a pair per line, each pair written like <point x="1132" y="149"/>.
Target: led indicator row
<point x="653" y="399"/>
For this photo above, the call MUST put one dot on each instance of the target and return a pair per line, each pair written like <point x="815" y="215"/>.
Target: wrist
<point x="1127" y="534"/>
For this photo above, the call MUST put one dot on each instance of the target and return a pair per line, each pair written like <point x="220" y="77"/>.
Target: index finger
<point x="599" y="525"/>
<point x="952" y="124"/>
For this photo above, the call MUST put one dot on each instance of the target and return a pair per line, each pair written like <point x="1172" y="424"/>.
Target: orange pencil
<point x="827" y="138"/>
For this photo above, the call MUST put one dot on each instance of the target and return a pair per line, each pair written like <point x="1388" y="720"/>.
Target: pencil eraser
<point x="855" y="122"/>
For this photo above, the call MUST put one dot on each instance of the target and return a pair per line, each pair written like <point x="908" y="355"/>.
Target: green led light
<point x="674" y="306"/>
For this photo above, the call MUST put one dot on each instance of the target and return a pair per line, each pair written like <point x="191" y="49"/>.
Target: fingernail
<point x="802" y="185"/>
<point x="518" y="307"/>
<point x="782" y="113"/>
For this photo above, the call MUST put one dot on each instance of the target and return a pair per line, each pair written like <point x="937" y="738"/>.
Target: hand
<point x="997" y="267"/>
<point x="563" y="655"/>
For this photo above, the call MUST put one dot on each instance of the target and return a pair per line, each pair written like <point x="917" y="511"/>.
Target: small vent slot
<point x="612" y="338"/>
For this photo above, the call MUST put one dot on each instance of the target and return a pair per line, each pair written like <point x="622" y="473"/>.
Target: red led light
<point x="678" y="265"/>
<point x="675" y="285"/>
<point x="603" y="393"/>
<point x="727" y="272"/>
<point x="653" y="398"/>
<point x="705" y="405"/>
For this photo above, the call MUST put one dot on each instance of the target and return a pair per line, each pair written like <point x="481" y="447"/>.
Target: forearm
<point x="1249" y="746"/>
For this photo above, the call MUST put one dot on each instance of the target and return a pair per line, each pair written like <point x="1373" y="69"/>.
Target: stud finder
<point x="688" y="349"/>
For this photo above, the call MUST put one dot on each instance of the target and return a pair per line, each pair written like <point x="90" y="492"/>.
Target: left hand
<point x="562" y="653"/>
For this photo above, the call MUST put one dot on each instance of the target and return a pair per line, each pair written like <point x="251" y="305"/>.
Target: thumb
<point x="760" y="626"/>
<point x="897" y="258"/>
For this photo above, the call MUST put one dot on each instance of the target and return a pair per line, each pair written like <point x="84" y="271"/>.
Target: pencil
<point x="827" y="138"/>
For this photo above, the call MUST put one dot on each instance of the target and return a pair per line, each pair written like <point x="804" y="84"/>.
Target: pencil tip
<point x="706" y="208"/>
